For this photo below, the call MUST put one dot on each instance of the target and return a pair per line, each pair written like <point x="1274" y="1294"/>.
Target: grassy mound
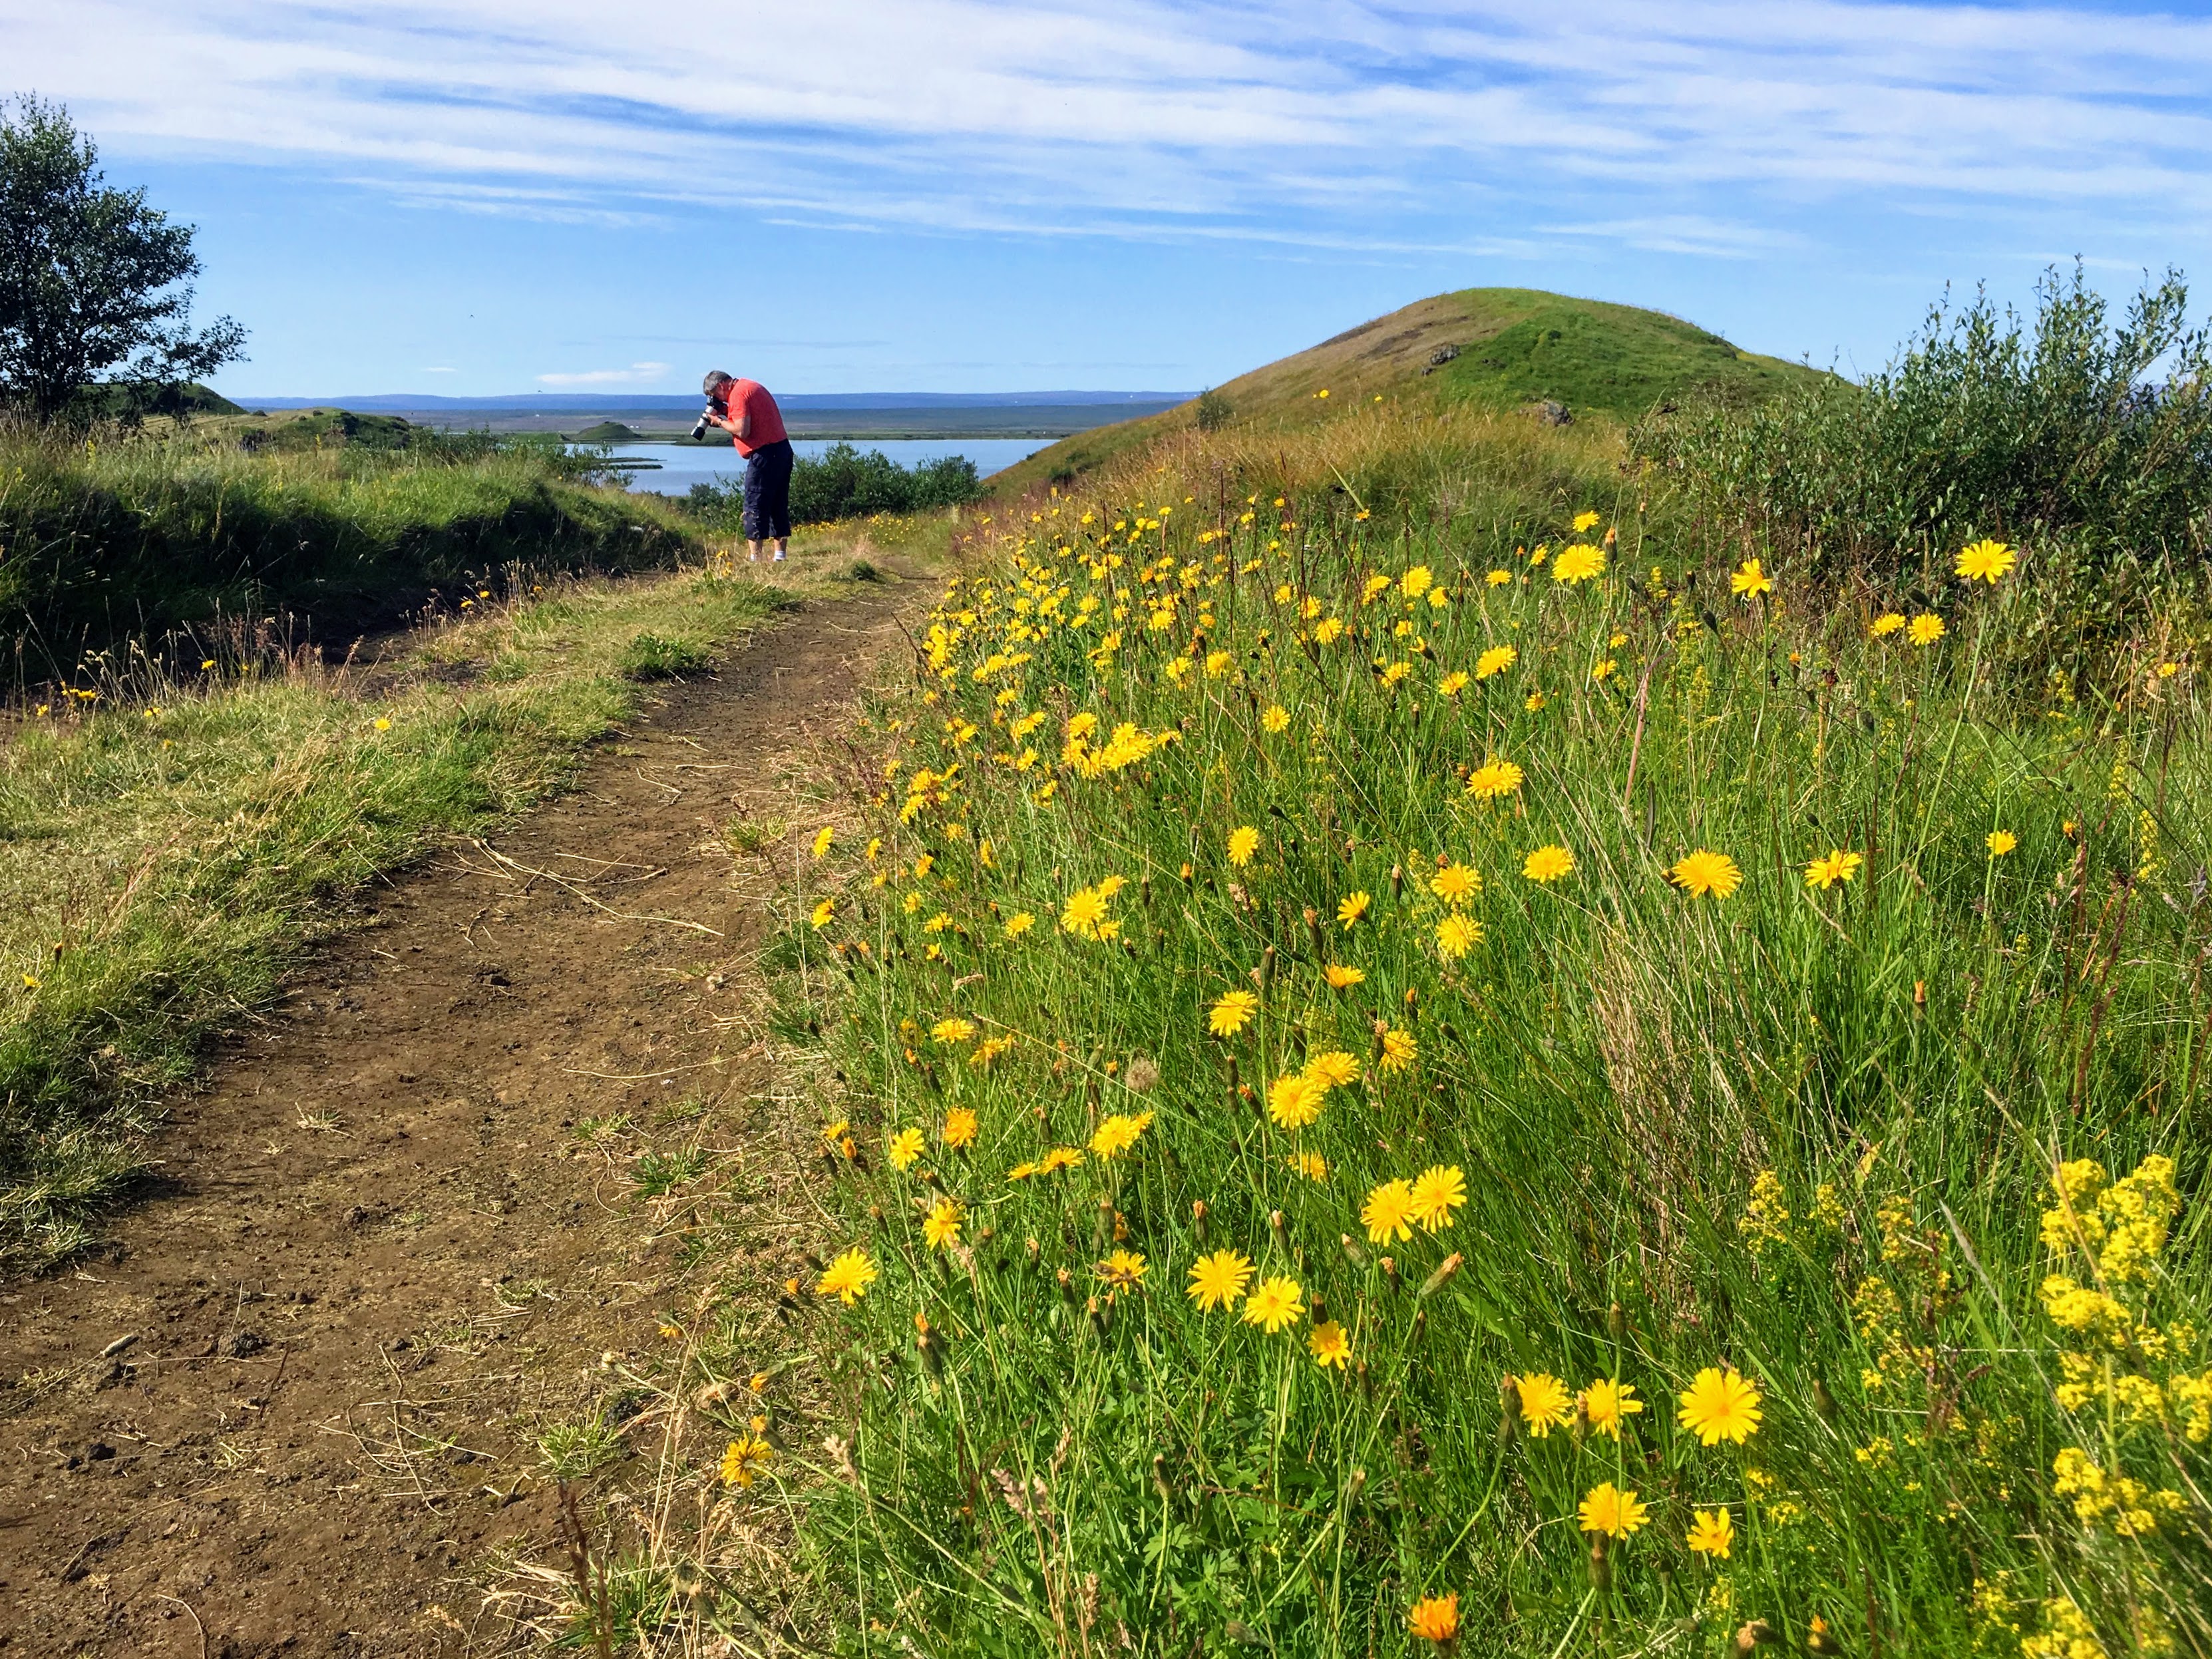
<point x="109" y="542"/>
<point x="1488" y="348"/>
<point x="1495" y="1061"/>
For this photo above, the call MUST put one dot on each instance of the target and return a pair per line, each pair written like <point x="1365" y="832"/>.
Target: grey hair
<point x="714" y="377"/>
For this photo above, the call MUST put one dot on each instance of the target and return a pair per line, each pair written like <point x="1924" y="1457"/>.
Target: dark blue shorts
<point x="768" y="491"/>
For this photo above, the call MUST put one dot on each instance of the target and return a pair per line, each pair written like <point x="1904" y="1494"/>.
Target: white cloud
<point x="635" y="374"/>
<point x="1313" y="123"/>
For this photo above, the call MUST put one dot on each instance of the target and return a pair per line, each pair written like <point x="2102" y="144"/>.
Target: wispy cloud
<point x="635" y="374"/>
<point x="1308" y="123"/>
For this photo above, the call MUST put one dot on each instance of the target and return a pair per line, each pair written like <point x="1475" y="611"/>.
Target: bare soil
<point x="294" y="1407"/>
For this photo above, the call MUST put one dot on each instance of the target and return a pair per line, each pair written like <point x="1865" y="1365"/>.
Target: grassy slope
<point x="120" y="540"/>
<point x="1515" y="346"/>
<point x="1808" y="1133"/>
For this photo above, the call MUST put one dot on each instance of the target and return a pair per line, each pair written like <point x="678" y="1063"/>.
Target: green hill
<point x="1501" y="348"/>
<point x="608" y="432"/>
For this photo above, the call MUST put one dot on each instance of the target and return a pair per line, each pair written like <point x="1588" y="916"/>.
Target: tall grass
<point x="120" y="538"/>
<point x="1180" y="743"/>
<point x="166" y="853"/>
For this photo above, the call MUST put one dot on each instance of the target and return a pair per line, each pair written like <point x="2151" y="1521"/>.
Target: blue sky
<point x="488" y="196"/>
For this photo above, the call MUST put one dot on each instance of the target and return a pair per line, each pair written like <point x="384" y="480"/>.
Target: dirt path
<point x="391" y="1249"/>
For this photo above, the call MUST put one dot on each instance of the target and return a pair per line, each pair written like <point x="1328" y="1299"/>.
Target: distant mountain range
<point x="594" y="403"/>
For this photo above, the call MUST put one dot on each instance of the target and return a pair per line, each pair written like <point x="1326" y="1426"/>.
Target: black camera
<point x="706" y="419"/>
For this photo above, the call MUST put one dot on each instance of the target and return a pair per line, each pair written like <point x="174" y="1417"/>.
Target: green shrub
<point x="2087" y="442"/>
<point x="845" y="482"/>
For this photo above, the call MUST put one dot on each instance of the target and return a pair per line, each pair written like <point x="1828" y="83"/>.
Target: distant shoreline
<point x="855" y="423"/>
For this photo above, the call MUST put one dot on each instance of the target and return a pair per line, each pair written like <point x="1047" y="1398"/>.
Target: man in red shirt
<point x="745" y="410"/>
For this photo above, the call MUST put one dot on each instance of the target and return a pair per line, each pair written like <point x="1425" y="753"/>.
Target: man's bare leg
<point x="752" y="552"/>
<point x="782" y="543"/>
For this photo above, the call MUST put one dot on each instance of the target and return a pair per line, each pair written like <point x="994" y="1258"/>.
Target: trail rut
<point x="293" y="1409"/>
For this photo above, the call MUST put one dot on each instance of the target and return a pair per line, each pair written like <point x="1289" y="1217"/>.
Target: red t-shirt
<point x="743" y="397"/>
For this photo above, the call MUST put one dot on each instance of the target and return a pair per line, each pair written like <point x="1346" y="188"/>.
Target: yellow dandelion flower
<point x="1243" y="841"/>
<point x="1312" y="1165"/>
<point x="941" y="1226"/>
<point x="1456" y="884"/>
<point x="1333" y="1069"/>
<point x="904" y="1148"/>
<point x="1495" y="661"/>
<point x="1493" y="779"/>
<point x="822" y="840"/>
<point x="1584" y="521"/>
<point x="743" y="1459"/>
<point x="1608" y="1403"/>
<point x="1711" y="1533"/>
<point x="1399" y="1049"/>
<point x="1579" y="563"/>
<point x="1435" y="1617"/>
<point x="1124" y="1270"/>
<point x="1437" y="1192"/>
<point x="1218" y="1281"/>
<point x="1545" y="1403"/>
<point x="1456" y="935"/>
<point x="1275" y="717"/>
<point x="1548" y="863"/>
<point x="1118" y="1132"/>
<point x="1329" y="1345"/>
<point x="1274" y="1304"/>
<point x="1387" y="1215"/>
<point x="1342" y="978"/>
<point x="1719" y="1405"/>
<point x="1749" y="581"/>
<point x="1886" y="624"/>
<point x="1704" y="873"/>
<point x="1019" y="923"/>
<point x="848" y="1276"/>
<point x="1295" y="1101"/>
<point x="1927" y="629"/>
<point x="1498" y="577"/>
<point x="1352" y="906"/>
<point x="824" y="914"/>
<point x="950" y="1031"/>
<point x="1609" y="1510"/>
<point x="1232" y="1014"/>
<point x="960" y="1126"/>
<point x="1837" y="866"/>
<point x="1452" y="683"/>
<point x="1985" y="561"/>
<point x="1999" y="842"/>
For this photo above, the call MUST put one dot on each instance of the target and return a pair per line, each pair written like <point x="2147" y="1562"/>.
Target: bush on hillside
<point x="2087" y="442"/>
<point x="845" y="482"/>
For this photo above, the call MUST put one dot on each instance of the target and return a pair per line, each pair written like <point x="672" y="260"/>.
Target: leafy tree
<point x="89" y="277"/>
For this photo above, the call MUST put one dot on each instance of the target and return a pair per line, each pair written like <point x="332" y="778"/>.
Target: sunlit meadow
<point x="1480" y="1085"/>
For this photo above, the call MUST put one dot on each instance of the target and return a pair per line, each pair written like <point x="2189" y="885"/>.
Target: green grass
<point x="116" y="541"/>
<point x="165" y="853"/>
<point x="1806" y="1133"/>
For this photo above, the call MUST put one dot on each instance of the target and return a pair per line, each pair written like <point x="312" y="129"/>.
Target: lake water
<point x="683" y="465"/>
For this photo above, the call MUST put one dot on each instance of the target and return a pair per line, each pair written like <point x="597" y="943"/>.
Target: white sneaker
<point x="777" y="560"/>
